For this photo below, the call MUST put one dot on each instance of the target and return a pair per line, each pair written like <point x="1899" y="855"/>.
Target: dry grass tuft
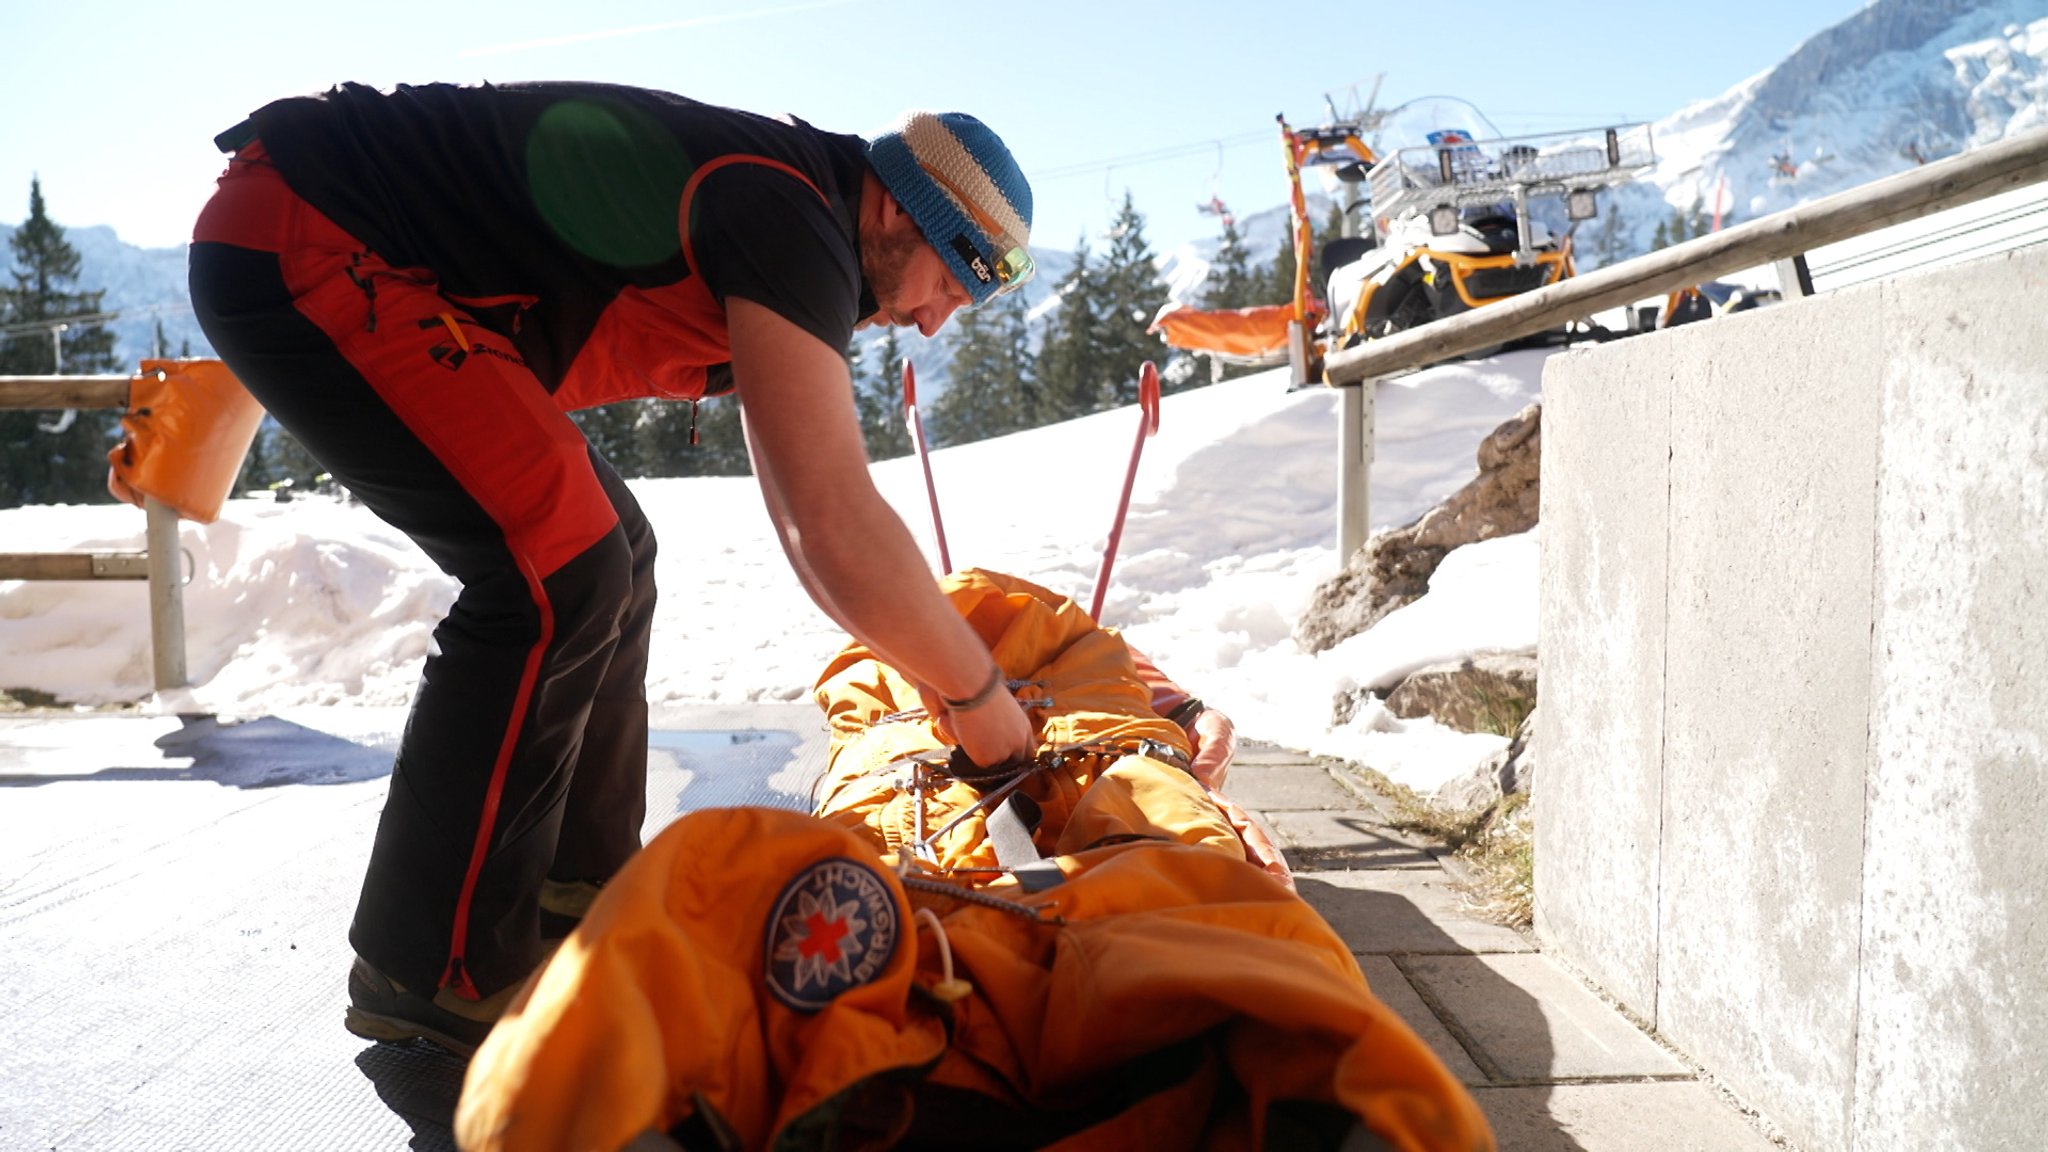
<point x="1493" y="843"/>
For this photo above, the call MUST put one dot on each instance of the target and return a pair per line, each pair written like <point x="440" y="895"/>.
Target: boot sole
<point x="392" y="1030"/>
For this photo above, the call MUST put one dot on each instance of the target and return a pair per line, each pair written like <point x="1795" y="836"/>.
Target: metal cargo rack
<point x="1411" y="181"/>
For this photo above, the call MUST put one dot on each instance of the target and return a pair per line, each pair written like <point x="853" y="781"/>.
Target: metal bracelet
<point x="981" y="696"/>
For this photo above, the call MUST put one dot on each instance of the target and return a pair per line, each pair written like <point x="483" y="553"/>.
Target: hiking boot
<point x="563" y="904"/>
<point x="382" y="1009"/>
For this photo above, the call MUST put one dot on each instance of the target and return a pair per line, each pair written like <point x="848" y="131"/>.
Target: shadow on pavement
<point x="261" y="753"/>
<point x="1506" y="1046"/>
<point x="420" y="1084"/>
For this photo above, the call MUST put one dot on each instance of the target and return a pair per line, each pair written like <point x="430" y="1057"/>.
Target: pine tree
<point x="1231" y="282"/>
<point x="612" y="431"/>
<point x="1279" y="279"/>
<point x="878" y="397"/>
<point x="1332" y="229"/>
<point x="277" y="462"/>
<point x="50" y="458"/>
<point x="1069" y="382"/>
<point x="1608" y="246"/>
<point x="1685" y="224"/>
<point x="721" y="448"/>
<point x="664" y="432"/>
<point x="1131" y="296"/>
<point x="661" y="439"/>
<point x="991" y="391"/>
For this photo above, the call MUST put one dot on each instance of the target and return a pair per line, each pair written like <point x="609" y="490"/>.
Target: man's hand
<point x="1215" y="741"/>
<point x="991" y="733"/>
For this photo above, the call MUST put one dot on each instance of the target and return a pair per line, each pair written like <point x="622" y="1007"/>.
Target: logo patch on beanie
<point x="975" y="263"/>
<point x="833" y="928"/>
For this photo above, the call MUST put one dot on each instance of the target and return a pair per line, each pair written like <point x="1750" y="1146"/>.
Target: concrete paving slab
<point x="1260" y="752"/>
<point x="1329" y="841"/>
<point x="1391" y="986"/>
<point x="1573" y="1034"/>
<point x="1682" y="1116"/>
<point x="1369" y="797"/>
<point x="1392" y="911"/>
<point x="1287" y="788"/>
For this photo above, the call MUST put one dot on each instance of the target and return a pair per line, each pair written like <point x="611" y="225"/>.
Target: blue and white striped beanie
<point x="964" y="190"/>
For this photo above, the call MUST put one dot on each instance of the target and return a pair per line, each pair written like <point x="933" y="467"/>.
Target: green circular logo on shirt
<point x="607" y="178"/>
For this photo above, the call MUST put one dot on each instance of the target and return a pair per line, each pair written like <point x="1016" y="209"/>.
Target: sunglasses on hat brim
<point x="1015" y="265"/>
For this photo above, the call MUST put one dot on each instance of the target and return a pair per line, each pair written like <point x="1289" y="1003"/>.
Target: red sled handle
<point x="931" y="490"/>
<point x="1148" y="425"/>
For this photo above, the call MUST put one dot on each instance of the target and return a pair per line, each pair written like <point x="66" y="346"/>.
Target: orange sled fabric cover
<point x="1089" y="698"/>
<point x="757" y="978"/>
<point x="1248" y="333"/>
<point x="189" y="423"/>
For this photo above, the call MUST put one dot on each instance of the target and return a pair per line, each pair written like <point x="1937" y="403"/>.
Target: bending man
<point x="421" y="285"/>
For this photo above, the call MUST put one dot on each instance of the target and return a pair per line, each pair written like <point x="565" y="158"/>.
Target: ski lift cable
<point x="44" y="325"/>
<point x="1931" y="239"/>
<point x="1988" y="248"/>
<point x="1172" y="152"/>
<point x="2005" y="244"/>
<point x="1166" y="152"/>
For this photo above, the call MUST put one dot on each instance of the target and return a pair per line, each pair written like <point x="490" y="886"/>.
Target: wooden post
<point x="64" y="391"/>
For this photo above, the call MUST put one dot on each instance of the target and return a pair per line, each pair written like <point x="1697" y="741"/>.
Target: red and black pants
<point x="525" y="754"/>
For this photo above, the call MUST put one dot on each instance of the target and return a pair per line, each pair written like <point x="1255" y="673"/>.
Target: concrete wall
<point x="1794" y="795"/>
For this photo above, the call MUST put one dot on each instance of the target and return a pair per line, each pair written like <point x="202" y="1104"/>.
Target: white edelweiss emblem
<point x="834" y="927"/>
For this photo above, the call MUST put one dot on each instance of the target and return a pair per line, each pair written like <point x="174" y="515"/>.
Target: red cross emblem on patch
<point x="834" y="927"/>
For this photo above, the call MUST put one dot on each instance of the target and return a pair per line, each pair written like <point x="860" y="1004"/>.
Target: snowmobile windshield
<point x="1434" y="121"/>
<point x="1443" y="133"/>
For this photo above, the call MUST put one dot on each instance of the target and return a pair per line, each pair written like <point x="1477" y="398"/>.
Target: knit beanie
<point x="966" y="193"/>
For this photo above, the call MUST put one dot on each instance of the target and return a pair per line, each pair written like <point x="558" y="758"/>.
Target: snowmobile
<point x="1453" y="227"/>
<point x="1710" y="299"/>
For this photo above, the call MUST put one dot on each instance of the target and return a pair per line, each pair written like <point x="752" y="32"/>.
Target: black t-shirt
<point x="540" y="206"/>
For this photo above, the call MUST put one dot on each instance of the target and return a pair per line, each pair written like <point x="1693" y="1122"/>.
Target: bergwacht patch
<point x="834" y="927"/>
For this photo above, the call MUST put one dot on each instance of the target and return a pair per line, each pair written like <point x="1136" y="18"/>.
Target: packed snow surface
<point x="1232" y="525"/>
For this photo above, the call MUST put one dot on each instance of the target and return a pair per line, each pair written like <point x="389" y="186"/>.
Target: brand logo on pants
<point x="833" y="928"/>
<point x="452" y="354"/>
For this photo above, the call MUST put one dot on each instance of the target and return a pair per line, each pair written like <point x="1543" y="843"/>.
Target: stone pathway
<point x="1555" y="1067"/>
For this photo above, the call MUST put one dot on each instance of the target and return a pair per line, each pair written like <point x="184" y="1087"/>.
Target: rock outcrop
<point x="1511" y="770"/>
<point x="1394" y="567"/>
<point x="1489" y="692"/>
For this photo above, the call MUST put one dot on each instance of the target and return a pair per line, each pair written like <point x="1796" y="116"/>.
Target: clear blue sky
<point x="114" y="104"/>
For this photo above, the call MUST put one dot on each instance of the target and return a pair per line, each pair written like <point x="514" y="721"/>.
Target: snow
<point x="1232" y="526"/>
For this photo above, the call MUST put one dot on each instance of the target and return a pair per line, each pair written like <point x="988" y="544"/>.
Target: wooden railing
<point x="158" y="562"/>
<point x="1782" y="239"/>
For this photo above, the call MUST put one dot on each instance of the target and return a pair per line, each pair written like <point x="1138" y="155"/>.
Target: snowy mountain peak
<point x="1900" y="83"/>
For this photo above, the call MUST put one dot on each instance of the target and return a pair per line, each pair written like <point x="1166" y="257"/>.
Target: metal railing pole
<point x="1354" y="467"/>
<point x="166" y="595"/>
